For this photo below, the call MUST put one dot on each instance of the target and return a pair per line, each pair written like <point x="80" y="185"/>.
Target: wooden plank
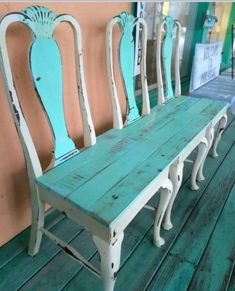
<point x="117" y="154"/>
<point x="23" y="266"/>
<point x="111" y="139"/>
<point x="62" y="267"/>
<point x="183" y="258"/>
<point x="103" y="206"/>
<point x="110" y="145"/>
<point x="20" y="242"/>
<point x="217" y="261"/>
<point x="144" y="258"/>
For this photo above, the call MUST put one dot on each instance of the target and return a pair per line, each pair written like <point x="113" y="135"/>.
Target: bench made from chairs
<point x="104" y="186"/>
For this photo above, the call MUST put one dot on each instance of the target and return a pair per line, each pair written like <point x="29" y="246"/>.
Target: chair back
<point x="164" y="59"/>
<point x="126" y="52"/>
<point x="46" y="72"/>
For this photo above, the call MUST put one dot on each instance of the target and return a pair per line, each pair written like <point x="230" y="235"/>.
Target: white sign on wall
<point x="206" y="64"/>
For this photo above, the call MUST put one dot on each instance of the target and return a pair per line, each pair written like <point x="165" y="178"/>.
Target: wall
<point x="15" y="206"/>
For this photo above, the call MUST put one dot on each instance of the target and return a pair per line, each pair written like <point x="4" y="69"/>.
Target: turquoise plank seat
<point x="104" y="186"/>
<point x="169" y="97"/>
<point x="127" y="161"/>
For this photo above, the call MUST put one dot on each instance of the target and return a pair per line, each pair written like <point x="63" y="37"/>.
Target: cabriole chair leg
<point x="201" y="154"/>
<point x="210" y="138"/>
<point x="165" y="195"/>
<point x="219" y="132"/>
<point x="176" y="175"/>
<point x="110" y="254"/>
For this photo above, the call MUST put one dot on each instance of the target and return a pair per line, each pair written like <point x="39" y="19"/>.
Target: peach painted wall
<point x="15" y="209"/>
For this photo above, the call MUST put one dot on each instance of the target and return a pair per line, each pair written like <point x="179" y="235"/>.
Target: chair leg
<point x="209" y="137"/>
<point x="110" y="254"/>
<point x="37" y="223"/>
<point x="176" y="175"/>
<point x="202" y="151"/>
<point x="165" y="195"/>
<point x="219" y="132"/>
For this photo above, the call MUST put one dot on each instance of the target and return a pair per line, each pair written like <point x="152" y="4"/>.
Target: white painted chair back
<point x="46" y="72"/>
<point x="164" y="59"/>
<point x="127" y="24"/>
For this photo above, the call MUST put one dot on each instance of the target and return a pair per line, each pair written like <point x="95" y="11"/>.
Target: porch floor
<point x="198" y="255"/>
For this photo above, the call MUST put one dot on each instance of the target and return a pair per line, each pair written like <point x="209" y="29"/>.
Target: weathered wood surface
<point x="217" y="261"/>
<point x="26" y="265"/>
<point x="18" y="244"/>
<point x="138" y="240"/>
<point x="131" y="157"/>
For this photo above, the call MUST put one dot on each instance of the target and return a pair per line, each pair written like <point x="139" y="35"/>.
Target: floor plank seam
<point x="51" y="258"/>
<point x="230" y="276"/>
<point x="211" y="233"/>
<point x="50" y="226"/>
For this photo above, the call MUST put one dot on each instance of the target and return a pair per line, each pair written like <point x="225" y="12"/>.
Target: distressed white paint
<point x="219" y="132"/>
<point x="110" y="255"/>
<point x="160" y="88"/>
<point x="177" y="59"/>
<point x="165" y="196"/>
<point x="202" y="150"/>
<point x="210" y="138"/>
<point x="176" y="176"/>
<point x="88" y="126"/>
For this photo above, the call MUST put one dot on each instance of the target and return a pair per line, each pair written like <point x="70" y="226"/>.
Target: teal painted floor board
<point x="23" y="266"/>
<point x="20" y="243"/>
<point x="215" y="267"/>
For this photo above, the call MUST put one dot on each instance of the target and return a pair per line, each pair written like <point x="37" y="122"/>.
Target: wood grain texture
<point x="19" y="244"/>
<point x="217" y="261"/>
<point x="144" y="158"/>
<point x="25" y="265"/>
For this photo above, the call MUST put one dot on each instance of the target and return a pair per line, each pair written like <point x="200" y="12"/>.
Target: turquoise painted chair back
<point x="126" y="52"/>
<point x="164" y="59"/>
<point x="46" y="71"/>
